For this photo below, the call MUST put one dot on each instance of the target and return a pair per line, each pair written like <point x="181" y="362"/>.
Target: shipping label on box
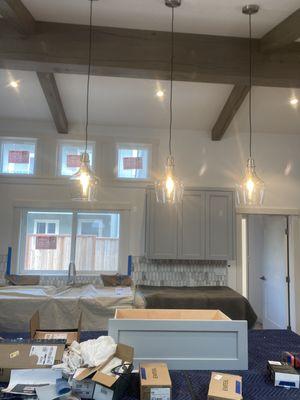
<point x="103" y="393"/>
<point x="160" y="394"/>
<point x="84" y="389"/>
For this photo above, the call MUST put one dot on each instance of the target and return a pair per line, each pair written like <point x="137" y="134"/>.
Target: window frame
<point x="134" y="146"/>
<point x="12" y="140"/>
<point x="79" y="143"/>
<point x="46" y="221"/>
<point x="21" y="226"/>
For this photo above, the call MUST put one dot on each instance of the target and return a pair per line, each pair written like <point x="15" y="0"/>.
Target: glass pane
<point x="97" y="242"/>
<point x="51" y="227"/>
<point x="70" y="157"/>
<point x="133" y="163"/>
<point x="48" y="241"/>
<point x="18" y="158"/>
<point x="40" y="227"/>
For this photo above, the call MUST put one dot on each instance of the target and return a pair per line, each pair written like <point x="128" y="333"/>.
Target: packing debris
<point x="91" y="353"/>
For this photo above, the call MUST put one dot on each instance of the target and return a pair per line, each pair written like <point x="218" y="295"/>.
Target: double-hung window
<point x="17" y="156"/>
<point x="50" y="240"/>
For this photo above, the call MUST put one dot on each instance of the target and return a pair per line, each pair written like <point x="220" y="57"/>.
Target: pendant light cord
<point x="171" y="84"/>
<point x="250" y="84"/>
<point x="89" y="75"/>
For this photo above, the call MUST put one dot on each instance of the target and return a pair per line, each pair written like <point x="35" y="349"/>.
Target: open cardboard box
<point x="112" y="386"/>
<point x="28" y="355"/>
<point x="69" y="335"/>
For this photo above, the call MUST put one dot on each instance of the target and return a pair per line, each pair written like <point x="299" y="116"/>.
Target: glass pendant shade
<point x="169" y="189"/>
<point x="250" y="192"/>
<point x="84" y="183"/>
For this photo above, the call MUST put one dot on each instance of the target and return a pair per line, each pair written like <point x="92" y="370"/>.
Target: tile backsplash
<point x="179" y="272"/>
<point x="152" y="272"/>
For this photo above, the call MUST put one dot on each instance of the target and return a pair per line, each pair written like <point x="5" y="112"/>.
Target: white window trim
<point x="20" y="215"/>
<point x="79" y="143"/>
<point x="47" y="221"/>
<point x="134" y="146"/>
<point x="9" y="140"/>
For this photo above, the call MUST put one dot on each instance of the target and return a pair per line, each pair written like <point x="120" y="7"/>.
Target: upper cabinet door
<point x="161" y="229"/>
<point x="220" y="225"/>
<point x="191" y="229"/>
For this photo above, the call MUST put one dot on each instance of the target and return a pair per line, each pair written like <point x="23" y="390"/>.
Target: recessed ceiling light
<point x="14" y="84"/>
<point x="160" y="93"/>
<point x="294" y="101"/>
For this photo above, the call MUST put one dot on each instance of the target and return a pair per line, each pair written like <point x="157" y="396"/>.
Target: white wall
<point x="199" y="162"/>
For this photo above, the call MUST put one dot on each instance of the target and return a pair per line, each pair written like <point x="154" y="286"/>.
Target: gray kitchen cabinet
<point x="191" y="226"/>
<point x="161" y="229"/>
<point x="202" y="227"/>
<point x="220" y="225"/>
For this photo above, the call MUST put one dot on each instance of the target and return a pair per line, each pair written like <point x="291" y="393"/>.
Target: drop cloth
<point x="60" y="307"/>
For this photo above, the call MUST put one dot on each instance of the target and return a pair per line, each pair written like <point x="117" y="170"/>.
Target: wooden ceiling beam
<point x="49" y="87"/>
<point x="118" y="52"/>
<point x="19" y="18"/>
<point x="232" y="105"/>
<point x="17" y="15"/>
<point x="284" y="34"/>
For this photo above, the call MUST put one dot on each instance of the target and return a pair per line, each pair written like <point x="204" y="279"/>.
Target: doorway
<point x="268" y="269"/>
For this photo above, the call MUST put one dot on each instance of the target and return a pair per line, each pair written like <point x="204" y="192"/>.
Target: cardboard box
<point x="27" y="355"/>
<point x="283" y="375"/>
<point x="225" y="387"/>
<point x="155" y="382"/>
<point x="110" y="387"/>
<point x="69" y="335"/>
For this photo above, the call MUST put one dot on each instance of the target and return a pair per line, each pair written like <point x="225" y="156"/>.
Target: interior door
<point x="274" y="272"/>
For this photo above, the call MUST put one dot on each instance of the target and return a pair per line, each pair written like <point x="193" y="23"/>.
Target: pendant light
<point x="250" y="192"/>
<point x="84" y="183"/>
<point x="169" y="189"/>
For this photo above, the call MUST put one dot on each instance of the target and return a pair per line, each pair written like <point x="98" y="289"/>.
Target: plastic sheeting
<point x="60" y="307"/>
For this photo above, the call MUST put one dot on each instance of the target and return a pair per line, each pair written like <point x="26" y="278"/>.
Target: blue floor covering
<point x="264" y="345"/>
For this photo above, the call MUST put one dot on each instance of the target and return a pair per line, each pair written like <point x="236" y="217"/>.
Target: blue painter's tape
<point x="8" y="263"/>
<point x="129" y="269"/>
<point x="238" y="387"/>
<point x="143" y="373"/>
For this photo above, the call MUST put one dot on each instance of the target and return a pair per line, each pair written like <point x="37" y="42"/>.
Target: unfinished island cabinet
<point x="202" y="227"/>
<point x="184" y="339"/>
<point x="220" y="225"/>
<point x="161" y="229"/>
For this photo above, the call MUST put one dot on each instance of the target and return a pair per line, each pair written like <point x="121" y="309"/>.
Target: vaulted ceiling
<point x="209" y="70"/>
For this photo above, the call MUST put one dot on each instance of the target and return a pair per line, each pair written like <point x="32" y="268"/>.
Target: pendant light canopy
<point x="84" y="183"/>
<point x="169" y="189"/>
<point x="250" y="192"/>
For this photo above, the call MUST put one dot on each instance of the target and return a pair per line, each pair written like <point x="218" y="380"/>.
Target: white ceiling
<point x="219" y="17"/>
<point x="132" y="102"/>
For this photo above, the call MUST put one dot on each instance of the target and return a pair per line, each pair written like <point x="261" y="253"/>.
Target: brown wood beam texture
<point x="284" y="34"/>
<point x="48" y="84"/>
<point x="232" y="105"/>
<point x="62" y="48"/>
<point x="18" y="16"/>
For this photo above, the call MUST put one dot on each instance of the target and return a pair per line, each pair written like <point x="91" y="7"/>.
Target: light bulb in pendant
<point x="84" y="183"/>
<point x="250" y="192"/>
<point x="169" y="189"/>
